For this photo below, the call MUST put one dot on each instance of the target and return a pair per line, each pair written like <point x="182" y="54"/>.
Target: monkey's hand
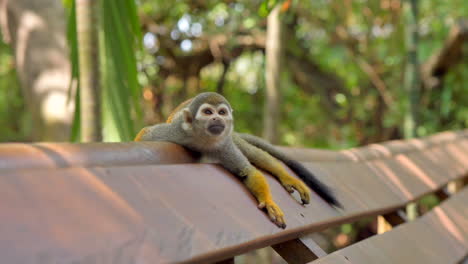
<point x="290" y="184"/>
<point x="258" y="185"/>
<point x="274" y="212"/>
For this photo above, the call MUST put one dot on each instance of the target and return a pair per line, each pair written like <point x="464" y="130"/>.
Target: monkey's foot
<point x="292" y="184"/>
<point x="274" y="212"/>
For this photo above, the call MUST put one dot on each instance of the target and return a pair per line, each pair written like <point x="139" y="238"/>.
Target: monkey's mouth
<point x="216" y="129"/>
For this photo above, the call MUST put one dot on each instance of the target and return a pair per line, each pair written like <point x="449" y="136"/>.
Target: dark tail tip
<point x="318" y="187"/>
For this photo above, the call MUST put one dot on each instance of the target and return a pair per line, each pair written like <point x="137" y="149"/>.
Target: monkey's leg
<point x="267" y="162"/>
<point x="234" y="161"/>
<point x="258" y="186"/>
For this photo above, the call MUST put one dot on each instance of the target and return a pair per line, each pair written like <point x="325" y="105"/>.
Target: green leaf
<point x="76" y="128"/>
<point x="120" y="38"/>
<point x="266" y="7"/>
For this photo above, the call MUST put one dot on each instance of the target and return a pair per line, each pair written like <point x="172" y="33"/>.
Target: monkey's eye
<point x="207" y="112"/>
<point x="222" y="112"/>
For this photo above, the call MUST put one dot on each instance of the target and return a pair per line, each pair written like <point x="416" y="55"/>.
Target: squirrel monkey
<point x="204" y="124"/>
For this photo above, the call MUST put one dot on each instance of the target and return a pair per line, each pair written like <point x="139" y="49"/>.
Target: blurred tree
<point x="14" y="118"/>
<point x="343" y="66"/>
<point x="90" y="89"/>
<point x="119" y="41"/>
<point x="412" y="83"/>
<point x="273" y="54"/>
<point x="36" y="31"/>
<point x="412" y="78"/>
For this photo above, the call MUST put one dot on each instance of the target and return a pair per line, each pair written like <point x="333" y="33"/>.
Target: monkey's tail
<point x="304" y="174"/>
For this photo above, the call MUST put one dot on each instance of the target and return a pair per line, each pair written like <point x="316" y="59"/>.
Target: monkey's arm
<point x="254" y="180"/>
<point x="267" y="162"/>
<point x="306" y="176"/>
<point x="159" y="132"/>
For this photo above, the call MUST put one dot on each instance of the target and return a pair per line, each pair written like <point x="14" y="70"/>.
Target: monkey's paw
<point x="274" y="212"/>
<point x="294" y="184"/>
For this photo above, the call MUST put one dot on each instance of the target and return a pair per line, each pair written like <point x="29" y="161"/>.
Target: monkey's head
<point x="209" y="116"/>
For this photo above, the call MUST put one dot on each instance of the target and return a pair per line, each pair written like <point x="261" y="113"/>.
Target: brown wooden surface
<point x="64" y="155"/>
<point x="440" y="236"/>
<point x="296" y="252"/>
<point x="136" y="213"/>
<point x="313" y="246"/>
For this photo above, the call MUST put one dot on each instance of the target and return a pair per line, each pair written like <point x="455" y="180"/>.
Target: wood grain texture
<point x="440" y="236"/>
<point x="69" y="206"/>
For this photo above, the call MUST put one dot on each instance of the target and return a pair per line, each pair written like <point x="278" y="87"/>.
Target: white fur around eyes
<point x="202" y="107"/>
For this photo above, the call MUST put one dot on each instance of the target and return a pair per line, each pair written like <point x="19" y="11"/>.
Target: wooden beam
<point x="301" y="250"/>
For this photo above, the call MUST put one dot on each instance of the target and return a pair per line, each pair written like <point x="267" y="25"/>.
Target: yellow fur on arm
<point x="257" y="184"/>
<point x="140" y="134"/>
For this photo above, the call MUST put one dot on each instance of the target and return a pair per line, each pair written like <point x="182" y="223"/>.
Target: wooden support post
<point x="387" y="221"/>
<point x="299" y="251"/>
<point x="313" y="246"/>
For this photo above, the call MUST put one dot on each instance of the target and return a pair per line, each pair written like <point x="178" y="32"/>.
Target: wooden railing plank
<point x="347" y="181"/>
<point x="440" y="236"/>
<point x="186" y="212"/>
<point x="64" y="155"/>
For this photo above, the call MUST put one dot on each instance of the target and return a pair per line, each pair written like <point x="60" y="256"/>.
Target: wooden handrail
<point x="62" y="155"/>
<point x="74" y="204"/>
<point x="440" y="236"/>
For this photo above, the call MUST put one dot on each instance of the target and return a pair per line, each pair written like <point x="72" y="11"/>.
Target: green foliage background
<point x="374" y="33"/>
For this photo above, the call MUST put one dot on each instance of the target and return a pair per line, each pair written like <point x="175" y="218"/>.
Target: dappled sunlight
<point x="69" y="206"/>
<point x="351" y="154"/>
<point x="16" y="155"/>
<point x="383" y="170"/>
<point x="449" y="225"/>
<point x="417" y="143"/>
<point x="381" y="149"/>
<point x="110" y="196"/>
<point x="410" y="165"/>
<point x="50" y="83"/>
<point x="460" y="156"/>
<point x="29" y="23"/>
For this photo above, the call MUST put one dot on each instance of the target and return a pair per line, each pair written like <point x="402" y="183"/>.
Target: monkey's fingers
<point x="300" y="187"/>
<point x="275" y="213"/>
<point x="289" y="188"/>
<point x="304" y="192"/>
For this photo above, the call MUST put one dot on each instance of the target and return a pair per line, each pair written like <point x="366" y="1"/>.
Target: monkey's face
<point x="213" y="120"/>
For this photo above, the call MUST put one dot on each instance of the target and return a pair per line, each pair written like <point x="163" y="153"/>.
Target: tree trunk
<point x="36" y="31"/>
<point x="412" y="83"/>
<point x="412" y="78"/>
<point x="272" y="76"/>
<point x="88" y="45"/>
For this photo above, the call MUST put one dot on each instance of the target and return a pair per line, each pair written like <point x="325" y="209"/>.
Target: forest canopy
<point x="341" y="75"/>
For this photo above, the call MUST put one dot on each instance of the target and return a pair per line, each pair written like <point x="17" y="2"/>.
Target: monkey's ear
<point x="187" y="116"/>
